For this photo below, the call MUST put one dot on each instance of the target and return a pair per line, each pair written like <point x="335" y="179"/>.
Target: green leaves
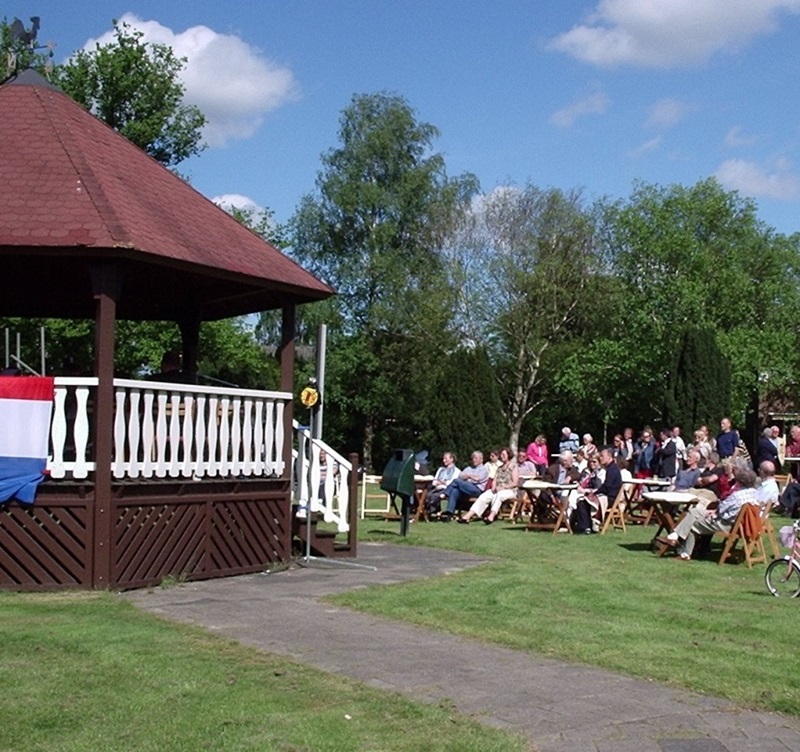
<point x="135" y="87"/>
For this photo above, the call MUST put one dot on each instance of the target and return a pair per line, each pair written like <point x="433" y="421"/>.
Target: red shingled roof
<point x="73" y="191"/>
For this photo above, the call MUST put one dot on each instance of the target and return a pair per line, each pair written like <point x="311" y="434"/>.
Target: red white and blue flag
<point x="26" y="406"/>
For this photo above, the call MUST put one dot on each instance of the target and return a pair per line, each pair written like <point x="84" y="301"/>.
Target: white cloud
<point x="646" y="147"/>
<point x="228" y="201"/>
<point x="232" y="83"/>
<point x="594" y="104"/>
<point x="668" y="33"/>
<point x="736" y="137"/>
<point x="666" y="112"/>
<point x="751" y="179"/>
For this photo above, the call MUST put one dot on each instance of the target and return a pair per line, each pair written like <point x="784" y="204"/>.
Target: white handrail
<point x="331" y="495"/>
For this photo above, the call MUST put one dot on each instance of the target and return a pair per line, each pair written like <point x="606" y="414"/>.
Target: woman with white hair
<point x="588" y="447"/>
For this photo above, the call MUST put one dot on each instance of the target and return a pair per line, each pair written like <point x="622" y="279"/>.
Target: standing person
<point x="537" y="453"/>
<point x="503" y="488"/>
<point x="445" y="475"/>
<point x="727" y="439"/>
<point x="472" y="481"/>
<point x="767" y="449"/>
<point x="627" y="445"/>
<point x="680" y="445"/>
<point x="780" y="444"/>
<point x="644" y="454"/>
<point x="667" y="456"/>
<point x="702" y="444"/>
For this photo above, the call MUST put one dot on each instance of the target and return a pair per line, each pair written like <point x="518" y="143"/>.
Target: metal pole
<point x="322" y="344"/>
<point x="8" y="347"/>
<point x="41" y="349"/>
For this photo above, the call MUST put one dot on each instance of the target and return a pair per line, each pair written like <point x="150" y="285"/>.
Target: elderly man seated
<point x="569" y="441"/>
<point x="699" y="521"/>
<point x="687" y="477"/>
<point x="471" y="482"/>
<point x="768" y="491"/>
<point x="445" y="475"/>
<point x="563" y="472"/>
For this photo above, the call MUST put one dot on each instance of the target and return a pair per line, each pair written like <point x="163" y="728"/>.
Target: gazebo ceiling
<point x="75" y="194"/>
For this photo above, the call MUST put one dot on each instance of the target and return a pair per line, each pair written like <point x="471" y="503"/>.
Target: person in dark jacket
<point x="767" y="449"/>
<point x="593" y="506"/>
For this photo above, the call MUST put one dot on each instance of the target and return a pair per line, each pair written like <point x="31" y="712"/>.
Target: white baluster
<point x="174" y="435"/>
<point x="118" y="463"/>
<point x="279" y="461"/>
<point x="269" y="439"/>
<point x="134" y="425"/>
<point x="247" y="438"/>
<point x="81" y="432"/>
<point x="161" y="436"/>
<point x="342" y="481"/>
<point x="236" y="437"/>
<point x="148" y="448"/>
<point x="58" y="432"/>
<point x="224" y="438"/>
<point x="213" y="428"/>
<point x="200" y="437"/>
<point x="188" y="435"/>
<point x="258" y="440"/>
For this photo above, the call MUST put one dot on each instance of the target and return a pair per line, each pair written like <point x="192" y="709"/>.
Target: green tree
<point x="467" y="413"/>
<point x="537" y="252"/>
<point x="699" y="257"/>
<point x="134" y="86"/>
<point x="374" y="231"/>
<point x="699" y="384"/>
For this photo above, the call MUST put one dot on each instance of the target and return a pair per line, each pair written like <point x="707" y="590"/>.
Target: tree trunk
<point x="369" y="436"/>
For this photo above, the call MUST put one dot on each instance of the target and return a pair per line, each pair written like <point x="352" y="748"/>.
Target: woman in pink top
<point x="537" y="453"/>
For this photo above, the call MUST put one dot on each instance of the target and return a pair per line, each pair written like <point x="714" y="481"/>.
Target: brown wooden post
<point x="105" y="288"/>
<point x="190" y="337"/>
<point x="286" y="356"/>
<point x="352" y="513"/>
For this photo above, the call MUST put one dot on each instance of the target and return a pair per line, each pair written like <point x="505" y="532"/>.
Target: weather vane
<point x="27" y="39"/>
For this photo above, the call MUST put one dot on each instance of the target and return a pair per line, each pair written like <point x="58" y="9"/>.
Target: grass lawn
<point x="607" y="601"/>
<point x="88" y="671"/>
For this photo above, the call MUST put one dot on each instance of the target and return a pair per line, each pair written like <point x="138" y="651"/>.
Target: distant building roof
<point x="73" y="191"/>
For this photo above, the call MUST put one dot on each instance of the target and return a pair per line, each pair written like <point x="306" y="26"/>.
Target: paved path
<point x="559" y="706"/>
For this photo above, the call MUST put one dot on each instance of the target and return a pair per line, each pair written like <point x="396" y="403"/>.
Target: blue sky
<point x="594" y="94"/>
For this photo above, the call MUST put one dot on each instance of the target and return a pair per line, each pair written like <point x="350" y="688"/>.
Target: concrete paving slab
<point x="561" y="707"/>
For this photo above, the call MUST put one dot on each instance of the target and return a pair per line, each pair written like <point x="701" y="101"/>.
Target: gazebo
<point x="147" y="479"/>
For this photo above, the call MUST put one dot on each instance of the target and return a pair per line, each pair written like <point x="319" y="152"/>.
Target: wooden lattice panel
<point x="247" y="534"/>
<point x="153" y="540"/>
<point x="197" y="538"/>
<point x="44" y="546"/>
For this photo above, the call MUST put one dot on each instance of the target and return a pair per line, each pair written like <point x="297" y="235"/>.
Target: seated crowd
<point x="584" y="481"/>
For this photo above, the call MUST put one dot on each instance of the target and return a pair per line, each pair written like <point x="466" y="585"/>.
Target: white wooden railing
<point x="330" y="496"/>
<point x="166" y="430"/>
<point x="69" y="432"/>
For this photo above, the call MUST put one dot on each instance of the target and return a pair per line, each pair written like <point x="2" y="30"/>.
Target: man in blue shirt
<point x="569" y="441"/>
<point x="471" y="482"/>
<point x="727" y="439"/>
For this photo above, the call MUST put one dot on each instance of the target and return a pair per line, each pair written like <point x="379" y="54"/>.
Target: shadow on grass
<point x="647" y="546"/>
